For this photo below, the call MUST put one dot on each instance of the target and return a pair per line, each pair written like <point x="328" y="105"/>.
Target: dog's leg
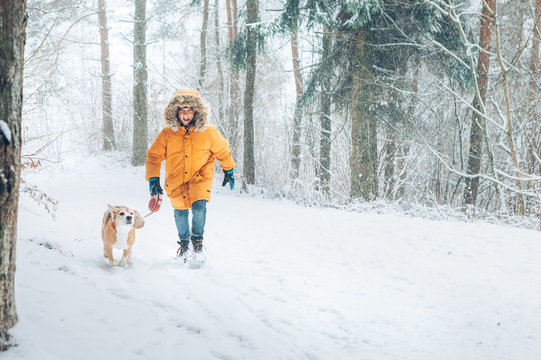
<point x="130" y="257"/>
<point x="126" y="258"/>
<point x="109" y="254"/>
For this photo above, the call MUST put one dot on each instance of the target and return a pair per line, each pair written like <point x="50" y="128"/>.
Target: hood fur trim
<point x="190" y="98"/>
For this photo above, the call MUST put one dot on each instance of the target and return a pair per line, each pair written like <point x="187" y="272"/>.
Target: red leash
<point x="154" y="204"/>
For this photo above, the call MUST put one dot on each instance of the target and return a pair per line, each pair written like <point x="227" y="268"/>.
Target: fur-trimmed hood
<point x="187" y="98"/>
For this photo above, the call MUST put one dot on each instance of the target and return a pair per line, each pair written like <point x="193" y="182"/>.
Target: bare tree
<point x="140" y="111"/>
<point x="533" y="148"/>
<point x="106" y="94"/>
<point x="297" y="117"/>
<point x="498" y="126"/>
<point x="404" y="148"/>
<point x="203" y="44"/>
<point x="12" y="39"/>
<point x="234" y="81"/>
<point x="249" y="92"/>
<point x="289" y="24"/>
<point x="478" y="125"/>
<point x="219" y="64"/>
<point x="520" y="28"/>
<point x="505" y="69"/>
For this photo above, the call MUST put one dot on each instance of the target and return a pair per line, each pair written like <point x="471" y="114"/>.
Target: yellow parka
<point x="189" y="153"/>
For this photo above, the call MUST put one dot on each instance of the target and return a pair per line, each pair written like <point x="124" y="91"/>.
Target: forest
<point x="322" y="101"/>
<point x="414" y="104"/>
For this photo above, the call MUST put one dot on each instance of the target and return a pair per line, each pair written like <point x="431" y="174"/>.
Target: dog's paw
<point x="123" y="262"/>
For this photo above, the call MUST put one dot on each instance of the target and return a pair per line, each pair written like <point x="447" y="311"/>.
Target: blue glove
<point x="228" y="178"/>
<point x="154" y="186"/>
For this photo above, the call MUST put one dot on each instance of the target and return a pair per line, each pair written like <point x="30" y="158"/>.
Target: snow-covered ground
<point x="280" y="281"/>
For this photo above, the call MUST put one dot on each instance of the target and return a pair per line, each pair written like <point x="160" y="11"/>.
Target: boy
<point x="188" y="144"/>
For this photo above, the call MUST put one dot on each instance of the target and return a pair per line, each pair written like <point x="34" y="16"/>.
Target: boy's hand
<point x="154" y="186"/>
<point x="228" y="178"/>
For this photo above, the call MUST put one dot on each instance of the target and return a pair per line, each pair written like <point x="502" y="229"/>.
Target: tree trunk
<point x="12" y="39"/>
<point x="391" y="148"/>
<point x="106" y="94"/>
<point x="297" y="119"/>
<point x="510" y="141"/>
<point x="533" y="147"/>
<point x="234" y="79"/>
<point x="389" y="167"/>
<point x="404" y="148"/>
<point x="203" y="43"/>
<point x="325" y="117"/>
<point x="364" y="157"/>
<point x="139" y="85"/>
<point x="219" y="65"/>
<point x="235" y="18"/>
<point x="249" y="156"/>
<point x="478" y="121"/>
<point x="229" y="20"/>
<point x="520" y="31"/>
<point x="404" y="151"/>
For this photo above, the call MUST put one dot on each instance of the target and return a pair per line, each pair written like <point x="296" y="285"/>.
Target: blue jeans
<point x="199" y="215"/>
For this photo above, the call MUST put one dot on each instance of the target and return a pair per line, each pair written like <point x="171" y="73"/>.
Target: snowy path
<point x="280" y="282"/>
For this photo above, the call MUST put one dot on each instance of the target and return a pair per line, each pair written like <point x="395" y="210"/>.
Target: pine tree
<point x="372" y="44"/>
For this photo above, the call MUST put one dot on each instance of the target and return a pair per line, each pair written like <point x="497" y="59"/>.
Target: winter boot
<point x="197" y="241"/>
<point x="183" y="248"/>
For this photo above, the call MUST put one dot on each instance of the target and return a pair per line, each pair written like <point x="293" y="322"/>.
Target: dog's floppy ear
<point x="112" y="208"/>
<point x="138" y="220"/>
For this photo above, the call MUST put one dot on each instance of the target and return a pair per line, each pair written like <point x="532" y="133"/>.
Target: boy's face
<point x="186" y="115"/>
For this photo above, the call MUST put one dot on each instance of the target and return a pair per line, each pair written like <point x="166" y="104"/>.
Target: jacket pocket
<point x="207" y="170"/>
<point x="173" y="185"/>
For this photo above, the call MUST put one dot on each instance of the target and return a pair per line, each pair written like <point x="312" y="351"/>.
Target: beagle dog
<point x="118" y="231"/>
